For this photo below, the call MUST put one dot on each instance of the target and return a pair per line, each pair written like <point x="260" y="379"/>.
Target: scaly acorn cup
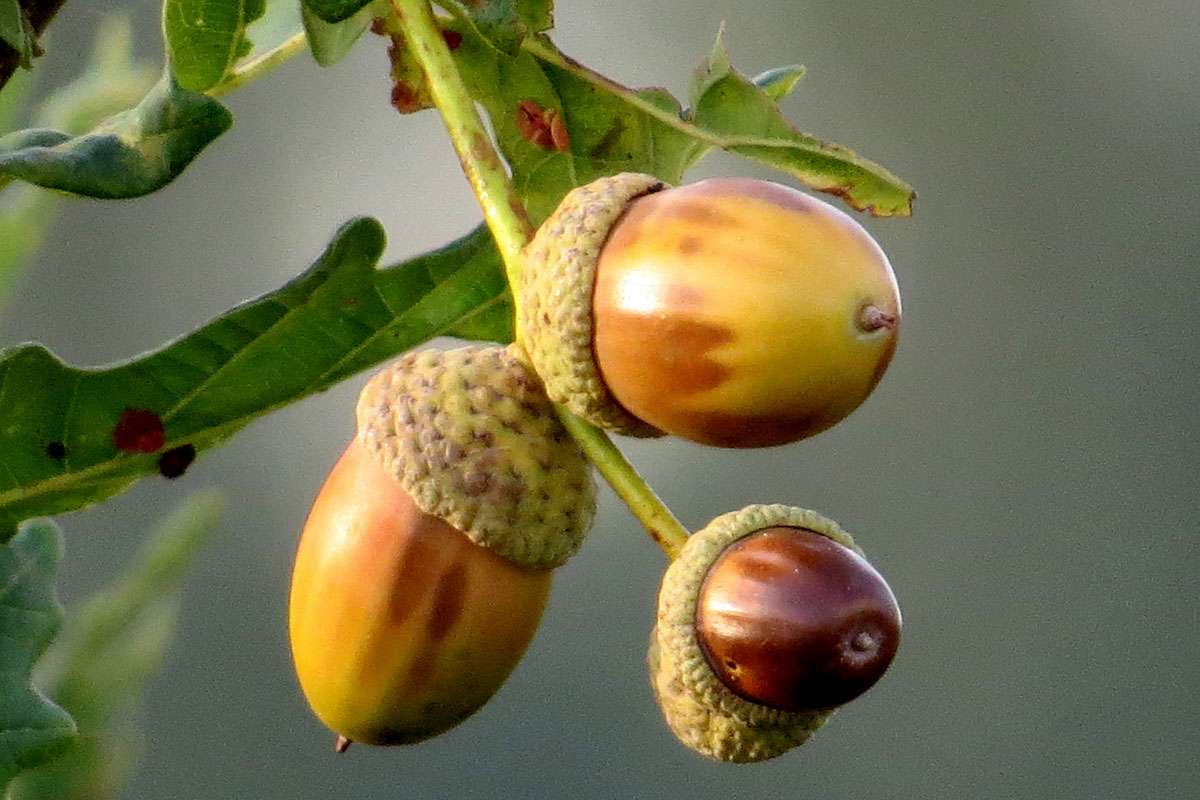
<point x="424" y="566"/>
<point x="767" y="622"/>
<point x="556" y="302"/>
<point x="732" y="312"/>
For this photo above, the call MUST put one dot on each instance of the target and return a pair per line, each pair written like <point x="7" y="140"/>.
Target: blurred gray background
<point x="1025" y="476"/>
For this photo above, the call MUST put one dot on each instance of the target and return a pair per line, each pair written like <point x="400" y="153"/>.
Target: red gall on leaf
<point x="139" y="430"/>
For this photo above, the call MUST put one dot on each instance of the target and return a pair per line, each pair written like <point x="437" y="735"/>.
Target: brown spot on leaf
<point x="410" y="89"/>
<point x="175" y="461"/>
<point x="611" y="137"/>
<point x="406" y="98"/>
<point x="558" y="132"/>
<point x="452" y="38"/>
<point x="529" y="120"/>
<point x="543" y="127"/>
<point x="138" y="430"/>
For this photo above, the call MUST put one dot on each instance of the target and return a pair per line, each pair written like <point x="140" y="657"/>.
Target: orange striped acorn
<point x="731" y="312"/>
<point x="409" y="605"/>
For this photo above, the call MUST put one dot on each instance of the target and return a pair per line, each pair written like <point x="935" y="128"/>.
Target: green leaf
<point x="330" y="41"/>
<point x="504" y="23"/>
<point x="338" y="318"/>
<point x="611" y="128"/>
<point x="14" y="31"/>
<point x="110" y="648"/>
<point x="205" y="38"/>
<point x="128" y="155"/>
<point x="747" y="122"/>
<point x="334" y="10"/>
<point x="607" y="134"/>
<point x="32" y="729"/>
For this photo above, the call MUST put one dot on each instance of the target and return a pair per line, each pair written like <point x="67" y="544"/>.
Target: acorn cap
<point x="701" y="711"/>
<point x="472" y="439"/>
<point x="556" y="306"/>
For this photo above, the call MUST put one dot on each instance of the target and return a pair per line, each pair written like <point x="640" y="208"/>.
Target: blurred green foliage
<point x="111" y="646"/>
<point x="32" y="729"/>
<point x="111" y="81"/>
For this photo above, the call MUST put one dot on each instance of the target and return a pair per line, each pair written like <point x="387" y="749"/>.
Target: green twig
<point x="505" y="216"/>
<point x="662" y="525"/>
<point x="502" y="208"/>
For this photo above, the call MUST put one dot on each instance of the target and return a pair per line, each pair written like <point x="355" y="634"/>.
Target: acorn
<point x="731" y="312"/>
<point x="426" y="560"/>
<point x="767" y="622"/>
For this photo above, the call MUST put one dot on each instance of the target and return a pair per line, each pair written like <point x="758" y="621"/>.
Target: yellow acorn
<point x="732" y="312"/>
<point x="425" y="563"/>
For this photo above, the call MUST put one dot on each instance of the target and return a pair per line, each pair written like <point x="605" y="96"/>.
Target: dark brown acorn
<point x="793" y="620"/>
<point x="769" y="619"/>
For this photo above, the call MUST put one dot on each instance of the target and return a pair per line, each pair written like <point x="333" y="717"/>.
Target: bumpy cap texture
<point x="560" y="276"/>
<point x="471" y="437"/>
<point x="700" y="710"/>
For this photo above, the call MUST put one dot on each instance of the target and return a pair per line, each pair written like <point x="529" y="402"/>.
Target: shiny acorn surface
<point x="742" y="313"/>
<point x="401" y="627"/>
<point x="790" y="619"/>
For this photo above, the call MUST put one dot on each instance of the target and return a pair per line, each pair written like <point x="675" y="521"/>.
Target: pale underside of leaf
<point x="110" y="647"/>
<point x="128" y="155"/>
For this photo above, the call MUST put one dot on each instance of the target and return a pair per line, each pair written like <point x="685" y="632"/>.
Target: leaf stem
<point x="261" y="64"/>
<point x="505" y="216"/>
